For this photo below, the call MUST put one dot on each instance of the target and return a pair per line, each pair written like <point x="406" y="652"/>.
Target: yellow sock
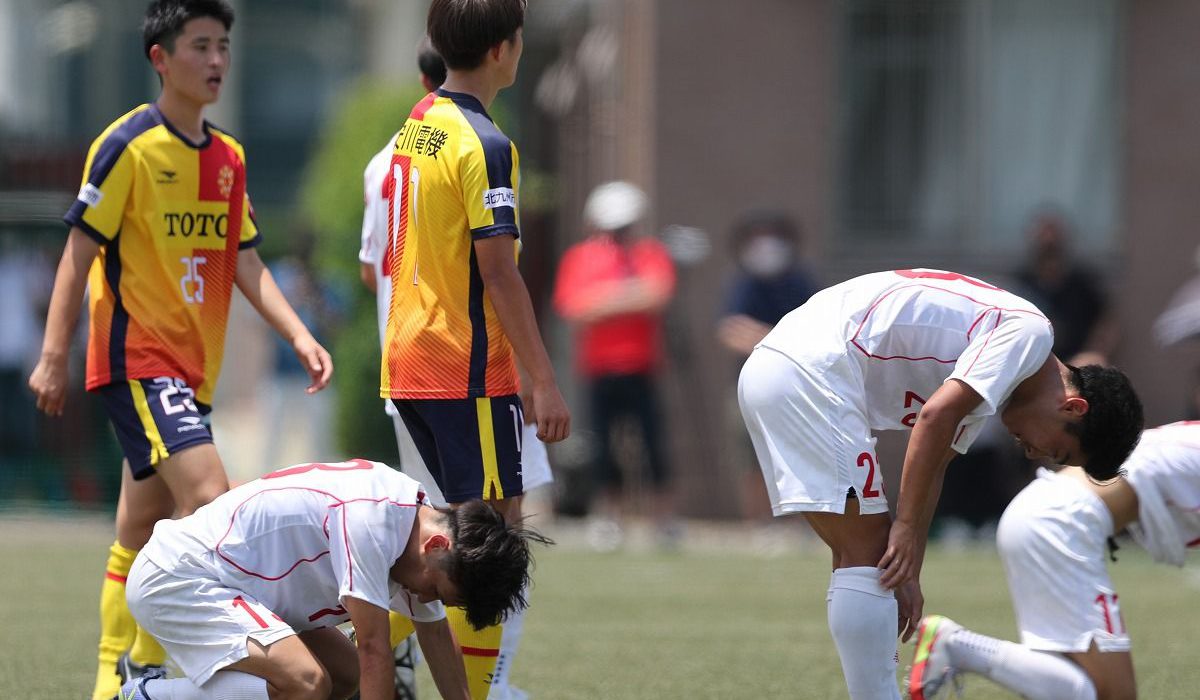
<point x="479" y="648"/>
<point x="117" y="628"/>
<point x="146" y="651"/>
<point x="400" y="626"/>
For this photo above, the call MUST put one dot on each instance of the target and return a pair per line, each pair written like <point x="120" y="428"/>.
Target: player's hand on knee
<point x="902" y="559"/>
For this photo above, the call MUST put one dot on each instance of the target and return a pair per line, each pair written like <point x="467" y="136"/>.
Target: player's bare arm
<point x="924" y="467"/>
<point x="366" y="272"/>
<point x="445" y="658"/>
<point x="510" y="298"/>
<point x="258" y="285"/>
<point x="375" y="663"/>
<point x="49" y="378"/>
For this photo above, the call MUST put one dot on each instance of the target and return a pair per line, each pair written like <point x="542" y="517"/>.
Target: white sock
<point x="510" y="639"/>
<point x="224" y="685"/>
<point x="1036" y="675"/>
<point x="862" y="619"/>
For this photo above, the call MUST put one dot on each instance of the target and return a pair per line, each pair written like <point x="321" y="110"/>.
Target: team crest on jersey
<point x="225" y="180"/>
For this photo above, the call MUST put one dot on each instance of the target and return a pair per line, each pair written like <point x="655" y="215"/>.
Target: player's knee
<point x="310" y="683"/>
<point x="201" y="495"/>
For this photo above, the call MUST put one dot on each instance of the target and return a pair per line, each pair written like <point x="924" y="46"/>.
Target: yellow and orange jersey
<point x="170" y="217"/>
<point x="453" y="180"/>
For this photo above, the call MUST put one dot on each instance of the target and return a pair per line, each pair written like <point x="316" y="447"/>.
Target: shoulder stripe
<point x="497" y="152"/>
<point x="116" y="142"/>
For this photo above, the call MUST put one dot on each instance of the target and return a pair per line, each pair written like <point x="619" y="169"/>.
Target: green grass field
<point x="712" y="621"/>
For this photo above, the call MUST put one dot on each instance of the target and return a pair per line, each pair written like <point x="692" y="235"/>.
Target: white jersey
<point x="302" y="539"/>
<point x="373" y="248"/>
<point x="1164" y="470"/>
<point x="890" y="339"/>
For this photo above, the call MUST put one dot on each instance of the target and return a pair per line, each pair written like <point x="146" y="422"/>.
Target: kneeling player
<point x="1052" y="540"/>
<point x="245" y="594"/>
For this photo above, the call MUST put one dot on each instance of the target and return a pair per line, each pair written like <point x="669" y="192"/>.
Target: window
<point x="958" y="119"/>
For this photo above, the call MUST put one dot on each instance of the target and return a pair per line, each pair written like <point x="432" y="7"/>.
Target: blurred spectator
<point x="1068" y="292"/>
<point x="770" y="281"/>
<point x="26" y="277"/>
<point x="613" y="288"/>
<point x="299" y="431"/>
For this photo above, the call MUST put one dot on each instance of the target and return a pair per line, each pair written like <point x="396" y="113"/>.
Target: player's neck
<point x="476" y="83"/>
<point x="187" y="116"/>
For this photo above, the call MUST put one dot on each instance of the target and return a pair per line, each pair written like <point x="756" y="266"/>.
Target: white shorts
<point x="813" y="442"/>
<point x="201" y="624"/>
<point x="1053" y="539"/>
<point x="535" y="463"/>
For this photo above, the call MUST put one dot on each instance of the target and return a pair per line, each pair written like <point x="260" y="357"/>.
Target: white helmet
<point x="614" y="205"/>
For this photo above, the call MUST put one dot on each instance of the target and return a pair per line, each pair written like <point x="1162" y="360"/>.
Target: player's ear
<point x="436" y="543"/>
<point x="158" y="56"/>
<point x="1076" y="406"/>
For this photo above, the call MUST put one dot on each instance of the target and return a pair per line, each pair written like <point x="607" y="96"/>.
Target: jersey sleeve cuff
<point x="252" y="243"/>
<point x="75" y="219"/>
<point x="478" y="234"/>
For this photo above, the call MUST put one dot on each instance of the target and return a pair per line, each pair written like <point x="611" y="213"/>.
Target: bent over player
<point x="164" y="223"/>
<point x="246" y="593"/>
<point x="931" y="351"/>
<point x="1052" y="540"/>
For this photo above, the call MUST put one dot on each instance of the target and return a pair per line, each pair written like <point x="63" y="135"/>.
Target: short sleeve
<point x="363" y="546"/>
<point x="99" y="208"/>
<point x="407" y="605"/>
<point x="489" y="186"/>
<point x="250" y="236"/>
<point x="1007" y="349"/>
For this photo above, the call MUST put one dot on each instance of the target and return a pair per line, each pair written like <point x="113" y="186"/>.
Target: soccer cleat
<point x="128" y="670"/>
<point x="135" y="688"/>
<point x="932" y="671"/>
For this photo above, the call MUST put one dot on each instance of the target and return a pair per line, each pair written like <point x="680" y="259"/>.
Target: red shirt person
<point x="613" y="287"/>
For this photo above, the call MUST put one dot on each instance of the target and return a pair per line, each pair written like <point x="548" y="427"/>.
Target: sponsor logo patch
<point x="90" y="195"/>
<point x="499" y="197"/>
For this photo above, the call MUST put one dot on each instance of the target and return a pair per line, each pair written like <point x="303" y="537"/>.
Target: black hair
<point x="430" y="63"/>
<point x="1113" y="423"/>
<point x="165" y="19"/>
<point x="489" y="562"/>
<point x="463" y="31"/>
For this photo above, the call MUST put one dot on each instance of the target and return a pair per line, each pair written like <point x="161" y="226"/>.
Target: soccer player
<point x="245" y="593"/>
<point x="935" y="352"/>
<point x="460" y="317"/>
<point x="161" y="231"/>
<point x="375" y="259"/>
<point x="1052" y="539"/>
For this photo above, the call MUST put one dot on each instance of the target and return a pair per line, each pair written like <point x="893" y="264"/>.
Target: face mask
<point x="766" y="256"/>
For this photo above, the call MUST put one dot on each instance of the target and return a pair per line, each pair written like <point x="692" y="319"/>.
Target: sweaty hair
<point x="165" y="19"/>
<point x="1113" y="423"/>
<point x="463" y="31"/>
<point x="489" y="562"/>
<point x="430" y="63"/>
